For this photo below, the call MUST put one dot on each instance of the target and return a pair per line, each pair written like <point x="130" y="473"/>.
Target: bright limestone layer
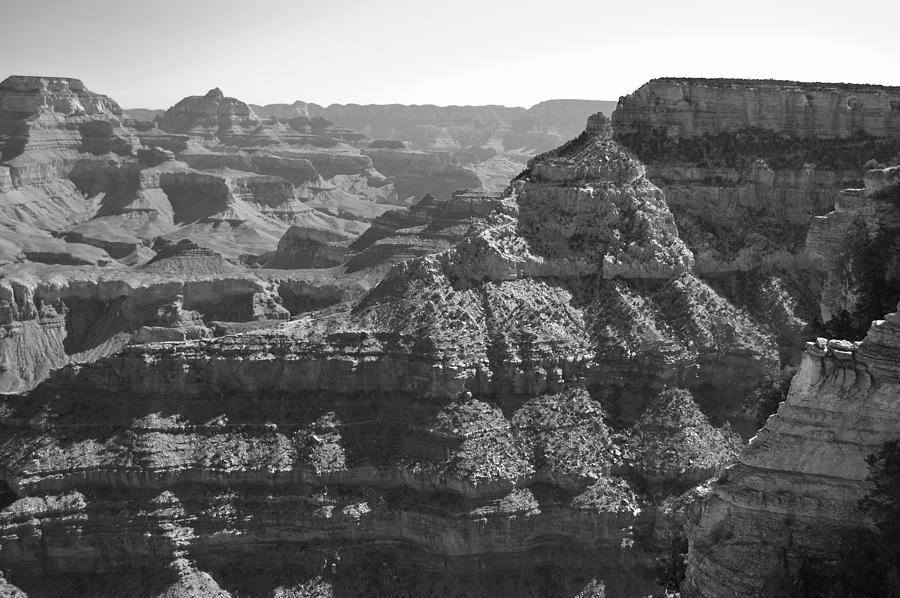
<point x="749" y="167"/>
<point x="795" y="489"/>
<point x="695" y="107"/>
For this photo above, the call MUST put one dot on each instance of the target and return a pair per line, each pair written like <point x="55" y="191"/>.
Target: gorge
<point x="294" y="350"/>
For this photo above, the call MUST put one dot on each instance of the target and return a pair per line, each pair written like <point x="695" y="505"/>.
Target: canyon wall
<point x="793" y="498"/>
<point x="748" y="166"/>
<point x="492" y="143"/>
<point x="510" y="414"/>
<point x="791" y="506"/>
<point x="541" y="127"/>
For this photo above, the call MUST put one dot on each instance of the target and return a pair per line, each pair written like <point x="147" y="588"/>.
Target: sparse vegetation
<point x="867" y="564"/>
<point x="771" y="392"/>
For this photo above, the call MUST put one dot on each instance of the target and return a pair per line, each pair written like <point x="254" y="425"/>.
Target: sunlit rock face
<point x="210" y="115"/>
<point x="47" y="125"/>
<point x="49" y="317"/>
<point x="84" y="200"/>
<point x="748" y="166"/>
<point x="31" y="95"/>
<point x="795" y="492"/>
<point x="497" y="417"/>
<point x="689" y="108"/>
<point x="430" y="226"/>
<point x="793" y="499"/>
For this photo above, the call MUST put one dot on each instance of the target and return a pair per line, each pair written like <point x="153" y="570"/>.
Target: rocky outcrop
<point x="416" y="174"/>
<point x="748" y="167"/>
<point x="689" y="108"/>
<point x="492" y="143"/>
<point x="794" y="494"/>
<point x="47" y="127"/>
<point x="792" y="502"/>
<point x="28" y="96"/>
<point x="49" y="316"/>
<point x="306" y="247"/>
<point x="492" y="414"/>
<point x="210" y="115"/>
<point x="431" y="226"/>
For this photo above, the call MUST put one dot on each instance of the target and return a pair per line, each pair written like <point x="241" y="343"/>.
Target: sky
<point x="150" y="54"/>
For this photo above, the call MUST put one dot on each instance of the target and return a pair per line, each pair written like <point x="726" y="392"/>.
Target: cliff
<point x="210" y="115"/>
<point x="748" y="167"/>
<point x="793" y="496"/>
<point x="28" y="96"/>
<point x="493" y="142"/>
<point x="854" y="246"/>
<point x="492" y="416"/>
<point x="792" y="501"/>
<point x="430" y="226"/>
<point x="685" y="108"/>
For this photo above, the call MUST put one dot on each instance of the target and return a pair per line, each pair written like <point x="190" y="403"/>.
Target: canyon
<point x="295" y="350"/>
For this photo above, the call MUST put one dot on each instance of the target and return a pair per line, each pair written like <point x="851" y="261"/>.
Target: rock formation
<point x="48" y="126"/>
<point x="793" y="498"/>
<point x="308" y="247"/>
<point x="491" y="142"/>
<point x="50" y="316"/>
<point x="748" y="166"/>
<point x="794" y="494"/>
<point x="482" y="391"/>
<point x="492" y="416"/>
<point x="78" y="188"/>
<point x="855" y="246"/>
<point x="430" y="226"/>
<point x="210" y="115"/>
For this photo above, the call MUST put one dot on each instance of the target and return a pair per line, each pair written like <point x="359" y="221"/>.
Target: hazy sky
<point x="513" y="52"/>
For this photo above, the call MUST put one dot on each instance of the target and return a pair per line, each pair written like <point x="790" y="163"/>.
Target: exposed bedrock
<point x="298" y="171"/>
<point x="457" y="485"/>
<point x="30" y="95"/>
<point x="540" y="127"/>
<point x="307" y="247"/>
<point x="431" y="226"/>
<point x="47" y="124"/>
<point x="855" y="246"/>
<point x="210" y="115"/>
<point x="749" y="166"/>
<point x="795" y="491"/>
<point x="511" y="412"/>
<point x="687" y="108"/>
<point x="48" y="127"/>
<point x="48" y="318"/>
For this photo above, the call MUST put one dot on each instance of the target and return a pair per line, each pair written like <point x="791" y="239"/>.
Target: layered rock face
<point x="747" y="166"/>
<point x="793" y="497"/>
<point x="79" y="189"/>
<point x="306" y="247"/>
<point x="430" y="226"/>
<point x="31" y="95"/>
<point x="491" y="419"/>
<point x="47" y="127"/>
<point x="416" y="174"/>
<point x="492" y="143"/>
<point x="49" y="317"/>
<point x="210" y="115"/>
<point x="688" y="108"/>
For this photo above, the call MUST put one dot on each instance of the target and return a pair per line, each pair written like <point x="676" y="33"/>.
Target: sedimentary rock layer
<point x="747" y="168"/>
<point x="495" y="411"/>
<point x="794" y="494"/>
